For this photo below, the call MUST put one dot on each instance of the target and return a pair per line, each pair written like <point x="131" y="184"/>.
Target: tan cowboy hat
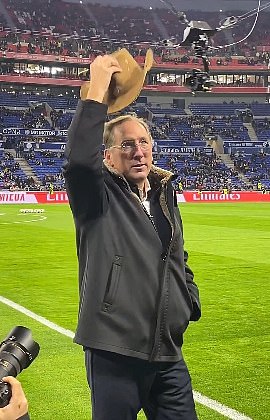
<point x="126" y="86"/>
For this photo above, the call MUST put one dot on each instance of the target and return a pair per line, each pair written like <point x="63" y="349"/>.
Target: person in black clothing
<point x="137" y="293"/>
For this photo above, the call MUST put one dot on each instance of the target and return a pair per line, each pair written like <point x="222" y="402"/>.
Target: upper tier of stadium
<point x="208" y="145"/>
<point x="58" y="27"/>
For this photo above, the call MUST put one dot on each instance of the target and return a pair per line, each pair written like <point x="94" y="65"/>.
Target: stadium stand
<point x="11" y="175"/>
<point x="255" y="166"/>
<point x="180" y="143"/>
<point x="172" y="130"/>
<point x="33" y="123"/>
<point x="82" y="30"/>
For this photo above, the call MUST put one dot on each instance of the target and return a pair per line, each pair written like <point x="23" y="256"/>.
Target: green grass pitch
<point x="227" y="351"/>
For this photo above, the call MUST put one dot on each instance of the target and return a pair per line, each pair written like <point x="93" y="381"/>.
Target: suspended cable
<point x="247" y="36"/>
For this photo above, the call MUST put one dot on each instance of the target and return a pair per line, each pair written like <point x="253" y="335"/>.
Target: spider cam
<point x="197" y="35"/>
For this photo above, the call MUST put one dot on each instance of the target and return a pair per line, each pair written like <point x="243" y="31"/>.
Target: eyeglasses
<point x="129" y="146"/>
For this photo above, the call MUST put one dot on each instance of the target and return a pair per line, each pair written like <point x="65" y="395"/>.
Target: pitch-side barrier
<point x="60" y="197"/>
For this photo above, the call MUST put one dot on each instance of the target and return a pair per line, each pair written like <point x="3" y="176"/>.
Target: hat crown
<point x="126" y="86"/>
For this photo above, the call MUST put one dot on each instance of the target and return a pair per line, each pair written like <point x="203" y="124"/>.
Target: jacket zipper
<point x="164" y="207"/>
<point x="150" y="217"/>
<point x="163" y="307"/>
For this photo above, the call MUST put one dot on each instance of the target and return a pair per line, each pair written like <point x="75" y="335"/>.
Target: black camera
<point x="199" y="81"/>
<point x="17" y="352"/>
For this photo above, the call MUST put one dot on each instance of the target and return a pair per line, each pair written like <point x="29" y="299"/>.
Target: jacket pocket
<point x="112" y="285"/>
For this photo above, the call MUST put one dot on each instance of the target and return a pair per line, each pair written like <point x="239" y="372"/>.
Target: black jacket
<point x="136" y="298"/>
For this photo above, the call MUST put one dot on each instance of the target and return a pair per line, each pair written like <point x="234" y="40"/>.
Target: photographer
<point x="18" y="406"/>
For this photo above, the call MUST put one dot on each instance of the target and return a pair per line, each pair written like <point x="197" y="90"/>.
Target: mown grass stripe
<point x="36" y="317"/>
<point x="201" y="399"/>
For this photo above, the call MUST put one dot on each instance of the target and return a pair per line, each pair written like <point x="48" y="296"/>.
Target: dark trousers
<point x="121" y="386"/>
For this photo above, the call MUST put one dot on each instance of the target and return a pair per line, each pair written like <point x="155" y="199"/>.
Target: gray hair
<point x="108" y="135"/>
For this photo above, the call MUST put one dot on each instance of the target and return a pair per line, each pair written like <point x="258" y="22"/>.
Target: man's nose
<point x="138" y="151"/>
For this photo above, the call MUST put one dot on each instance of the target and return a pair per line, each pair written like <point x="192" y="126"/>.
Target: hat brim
<point x="125" y="87"/>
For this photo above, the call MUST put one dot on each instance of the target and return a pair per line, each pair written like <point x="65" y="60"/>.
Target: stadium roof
<point x="182" y="5"/>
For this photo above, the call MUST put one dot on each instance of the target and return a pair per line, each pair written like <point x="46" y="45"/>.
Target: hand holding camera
<point x="17" y="352"/>
<point x="17" y="405"/>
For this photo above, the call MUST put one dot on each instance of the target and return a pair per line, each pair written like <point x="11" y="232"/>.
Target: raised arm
<point x="83" y="165"/>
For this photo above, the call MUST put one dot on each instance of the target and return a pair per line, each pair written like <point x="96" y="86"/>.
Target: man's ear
<point x="108" y="156"/>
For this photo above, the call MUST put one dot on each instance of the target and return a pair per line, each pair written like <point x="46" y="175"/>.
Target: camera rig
<point x="198" y="34"/>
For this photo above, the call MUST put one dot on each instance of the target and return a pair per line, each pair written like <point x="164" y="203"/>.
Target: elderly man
<point x="137" y="293"/>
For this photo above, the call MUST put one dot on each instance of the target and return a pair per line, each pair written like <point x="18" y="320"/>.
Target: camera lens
<point x="17" y="352"/>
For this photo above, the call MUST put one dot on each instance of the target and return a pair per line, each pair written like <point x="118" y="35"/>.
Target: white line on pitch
<point x="41" y="218"/>
<point x="36" y="317"/>
<point x="201" y="399"/>
<point x="220" y="408"/>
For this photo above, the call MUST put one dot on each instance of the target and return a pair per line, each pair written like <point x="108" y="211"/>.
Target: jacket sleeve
<point x="83" y="161"/>
<point x="191" y="285"/>
<point x="24" y="417"/>
<point x="193" y="291"/>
